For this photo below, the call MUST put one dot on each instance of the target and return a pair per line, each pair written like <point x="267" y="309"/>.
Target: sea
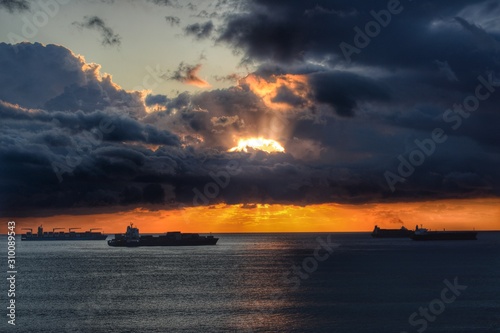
<point x="283" y="282"/>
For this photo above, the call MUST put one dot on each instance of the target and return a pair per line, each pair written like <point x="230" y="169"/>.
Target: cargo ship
<point x="132" y="238"/>
<point x="391" y="233"/>
<point x="61" y="235"/>
<point x="422" y="234"/>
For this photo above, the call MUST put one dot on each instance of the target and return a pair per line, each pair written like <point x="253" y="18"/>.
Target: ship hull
<point x="36" y="238"/>
<point x="40" y="235"/>
<point x="443" y="235"/>
<point x="132" y="238"/>
<point x="156" y="241"/>
<point x="392" y="234"/>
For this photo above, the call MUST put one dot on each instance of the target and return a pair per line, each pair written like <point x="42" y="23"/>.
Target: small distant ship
<point x="422" y="234"/>
<point x="173" y="238"/>
<point x="391" y="233"/>
<point x="61" y="235"/>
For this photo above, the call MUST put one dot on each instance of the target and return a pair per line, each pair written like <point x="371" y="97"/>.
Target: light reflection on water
<point x="365" y="286"/>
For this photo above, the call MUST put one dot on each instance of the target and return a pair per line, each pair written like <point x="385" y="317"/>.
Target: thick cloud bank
<point x="410" y="115"/>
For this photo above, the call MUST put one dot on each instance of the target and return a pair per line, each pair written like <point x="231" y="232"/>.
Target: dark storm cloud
<point x="342" y="127"/>
<point x="201" y="114"/>
<point x="344" y="90"/>
<point x="13" y="6"/>
<point x="446" y="70"/>
<point x="344" y="159"/>
<point x="153" y="193"/>
<point x="109" y="38"/>
<point x="395" y="90"/>
<point x="94" y="165"/>
<point x="63" y="154"/>
<point x="285" y="31"/>
<point x="211" y="119"/>
<point x="484" y="40"/>
<point x="25" y="89"/>
<point x="155" y="99"/>
<point x="286" y="95"/>
<point x="125" y="128"/>
<point x="394" y="73"/>
<point x="120" y="171"/>
<point x="45" y="83"/>
<point x="407" y="50"/>
<point x="200" y="30"/>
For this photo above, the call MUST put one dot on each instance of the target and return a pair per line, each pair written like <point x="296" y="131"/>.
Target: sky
<point x="250" y="116"/>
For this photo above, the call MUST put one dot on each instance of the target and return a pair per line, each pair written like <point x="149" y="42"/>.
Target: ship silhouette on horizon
<point x="61" y="235"/>
<point x="132" y="238"/>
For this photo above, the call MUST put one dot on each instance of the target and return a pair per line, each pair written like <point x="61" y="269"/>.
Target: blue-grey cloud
<point x="200" y="30"/>
<point x="46" y="84"/>
<point x="109" y="37"/>
<point x="13" y="6"/>
<point x="173" y="20"/>
<point x="342" y="127"/>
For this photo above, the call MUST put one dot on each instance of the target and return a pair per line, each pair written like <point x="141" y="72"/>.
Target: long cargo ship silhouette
<point x="423" y="234"/>
<point x="61" y="235"/>
<point x="132" y="238"/>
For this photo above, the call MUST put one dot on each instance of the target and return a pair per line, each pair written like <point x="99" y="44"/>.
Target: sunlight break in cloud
<point x="280" y="92"/>
<point x="267" y="145"/>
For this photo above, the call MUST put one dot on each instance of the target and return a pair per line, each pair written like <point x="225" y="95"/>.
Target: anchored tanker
<point x="174" y="238"/>
<point x="422" y="234"/>
<point x="61" y="235"/>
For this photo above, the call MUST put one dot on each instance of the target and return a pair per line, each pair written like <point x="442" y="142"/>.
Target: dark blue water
<point x="246" y="284"/>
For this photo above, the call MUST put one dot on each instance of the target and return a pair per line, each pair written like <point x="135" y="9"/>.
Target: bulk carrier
<point x="61" y="235"/>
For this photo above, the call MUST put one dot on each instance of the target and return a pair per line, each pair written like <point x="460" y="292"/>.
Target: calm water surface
<point x="247" y="284"/>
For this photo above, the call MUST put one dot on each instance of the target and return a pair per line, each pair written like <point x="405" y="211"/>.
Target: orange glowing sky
<point x="267" y="89"/>
<point x="479" y="214"/>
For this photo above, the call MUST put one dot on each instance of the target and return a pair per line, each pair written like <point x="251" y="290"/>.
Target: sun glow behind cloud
<point x="267" y="145"/>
